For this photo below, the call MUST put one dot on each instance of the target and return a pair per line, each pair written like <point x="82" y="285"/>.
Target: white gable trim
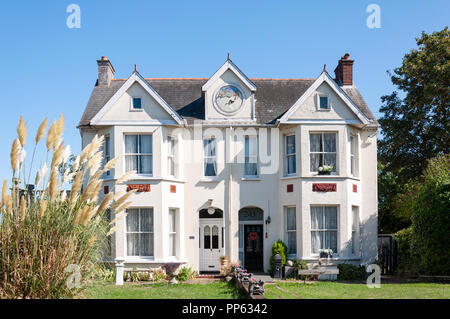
<point x="325" y="77"/>
<point x="229" y="65"/>
<point x="136" y="77"/>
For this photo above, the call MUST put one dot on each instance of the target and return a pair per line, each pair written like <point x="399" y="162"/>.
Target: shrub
<point x="279" y="247"/>
<point x="407" y="254"/>
<point x="158" y="275"/>
<point x="431" y="219"/>
<point x="46" y="233"/>
<point x="351" y="272"/>
<point x="186" y="273"/>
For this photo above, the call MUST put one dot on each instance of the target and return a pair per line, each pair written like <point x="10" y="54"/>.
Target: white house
<point x="227" y="165"/>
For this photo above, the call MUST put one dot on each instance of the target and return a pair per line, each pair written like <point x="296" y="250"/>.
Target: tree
<point x="417" y="127"/>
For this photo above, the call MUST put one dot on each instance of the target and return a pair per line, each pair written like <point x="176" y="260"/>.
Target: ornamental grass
<point x="51" y="238"/>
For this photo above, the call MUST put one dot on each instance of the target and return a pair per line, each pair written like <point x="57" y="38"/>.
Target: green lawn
<point x="335" y="290"/>
<point x="215" y="290"/>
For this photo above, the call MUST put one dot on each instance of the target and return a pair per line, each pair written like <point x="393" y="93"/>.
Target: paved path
<point x="265" y="278"/>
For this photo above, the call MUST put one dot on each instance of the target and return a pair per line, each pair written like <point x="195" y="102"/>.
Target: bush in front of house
<point x="50" y="239"/>
<point x="423" y="247"/>
<point x="279" y="247"/>
<point x="185" y="274"/>
<point x="351" y="272"/>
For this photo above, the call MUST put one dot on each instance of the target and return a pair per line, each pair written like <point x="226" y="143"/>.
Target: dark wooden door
<point x="253" y="247"/>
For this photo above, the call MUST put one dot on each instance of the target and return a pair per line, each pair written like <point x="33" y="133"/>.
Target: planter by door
<point x="253" y="247"/>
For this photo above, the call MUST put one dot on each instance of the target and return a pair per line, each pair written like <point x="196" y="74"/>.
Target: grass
<point x="215" y="290"/>
<point x="336" y="290"/>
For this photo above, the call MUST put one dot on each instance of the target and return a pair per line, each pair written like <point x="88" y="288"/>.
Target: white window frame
<point x="172" y="233"/>
<point x="286" y="155"/>
<point x="214" y="157"/>
<point x="355" y="230"/>
<point x="318" y="96"/>
<point x="171" y="157"/>
<point x="335" y="253"/>
<point x="249" y="157"/>
<point x="138" y="154"/>
<point x="287" y="231"/>
<point x="354" y="169"/>
<point x="336" y="169"/>
<point x="136" y="257"/>
<point x="132" y="108"/>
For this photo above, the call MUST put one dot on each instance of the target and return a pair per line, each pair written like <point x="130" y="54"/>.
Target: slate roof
<point x="273" y="97"/>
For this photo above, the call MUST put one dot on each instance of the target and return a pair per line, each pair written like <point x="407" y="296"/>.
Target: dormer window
<point x="137" y="103"/>
<point x="323" y="102"/>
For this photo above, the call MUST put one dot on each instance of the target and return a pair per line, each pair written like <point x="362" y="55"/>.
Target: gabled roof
<point x="229" y="65"/>
<point x="326" y="78"/>
<point x="136" y="77"/>
<point x="274" y="97"/>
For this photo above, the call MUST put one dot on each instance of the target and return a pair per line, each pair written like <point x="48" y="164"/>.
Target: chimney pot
<point x="105" y="71"/>
<point x="344" y="71"/>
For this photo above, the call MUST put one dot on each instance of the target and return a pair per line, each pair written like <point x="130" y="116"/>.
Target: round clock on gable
<point x="228" y="99"/>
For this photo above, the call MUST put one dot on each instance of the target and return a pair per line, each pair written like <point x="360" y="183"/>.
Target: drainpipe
<point x="228" y="246"/>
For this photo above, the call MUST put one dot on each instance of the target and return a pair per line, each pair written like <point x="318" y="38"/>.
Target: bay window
<point x="139" y="232"/>
<point x="323" y="228"/>
<point x="138" y="154"/>
<point x="322" y="150"/>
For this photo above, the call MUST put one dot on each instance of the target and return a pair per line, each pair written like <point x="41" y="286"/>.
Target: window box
<point x="324" y="173"/>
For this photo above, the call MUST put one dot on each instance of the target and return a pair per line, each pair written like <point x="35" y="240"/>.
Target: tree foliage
<point x="416" y="127"/>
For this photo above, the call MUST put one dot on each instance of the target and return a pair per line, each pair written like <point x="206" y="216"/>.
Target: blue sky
<point x="47" y="68"/>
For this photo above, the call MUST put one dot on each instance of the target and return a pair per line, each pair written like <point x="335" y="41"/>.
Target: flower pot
<point x="324" y="172"/>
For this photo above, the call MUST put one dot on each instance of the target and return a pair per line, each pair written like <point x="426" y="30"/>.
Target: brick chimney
<point x="344" y="71"/>
<point x="105" y="71"/>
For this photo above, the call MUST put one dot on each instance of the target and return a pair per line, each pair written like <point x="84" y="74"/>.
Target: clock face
<point x="228" y="99"/>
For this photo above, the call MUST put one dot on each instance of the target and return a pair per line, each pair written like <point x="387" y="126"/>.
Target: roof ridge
<point x="259" y="79"/>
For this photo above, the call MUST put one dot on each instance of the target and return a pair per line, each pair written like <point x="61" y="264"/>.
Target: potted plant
<point x="170" y="269"/>
<point x="325" y="169"/>
<point x="325" y="253"/>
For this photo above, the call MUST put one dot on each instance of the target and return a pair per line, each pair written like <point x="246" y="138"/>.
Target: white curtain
<point x="172" y="232"/>
<point x="139" y="228"/>
<point x="323" y="217"/>
<point x="251" y="156"/>
<point x="291" y="230"/>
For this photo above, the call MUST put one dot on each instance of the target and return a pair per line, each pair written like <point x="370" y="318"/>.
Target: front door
<point x="253" y="247"/>
<point x="211" y="245"/>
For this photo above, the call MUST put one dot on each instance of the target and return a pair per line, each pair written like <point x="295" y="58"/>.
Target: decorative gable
<point x="326" y="101"/>
<point x="229" y="95"/>
<point x="136" y="102"/>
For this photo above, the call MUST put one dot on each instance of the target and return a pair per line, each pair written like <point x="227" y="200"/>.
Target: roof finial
<point x="324" y="68"/>
<point x="135" y="68"/>
<point x="228" y="58"/>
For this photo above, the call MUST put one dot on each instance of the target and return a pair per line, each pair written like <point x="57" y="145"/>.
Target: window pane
<point x="131" y="144"/>
<point x="292" y="243"/>
<point x="352" y="145"/>
<point x="210" y="169"/>
<point x="316" y="217"/>
<point x="215" y="237"/>
<point x="131" y="163"/>
<point x="329" y="142"/>
<point x="290" y="144"/>
<point x="147" y="219"/>
<point x="315" y="142"/>
<point x="314" y="160"/>
<point x="172" y="245"/>
<point x="315" y="241"/>
<point x="330" y="217"/>
<point x="330" y="240"/>
<point x="207" y="237"/>
<point x="172" y="220"/>
<point x="323" y="102"/>
<point x="133" y="244"/>
<point x="145" y="164"/>
<point x="354" y="217"/>
<point x="146" y="244"/>
<point x="107" y="146"/>
<point x="291" y="164"/>
<point x="132" y="220"/>
<point x="137" y="103"/>
<point x="330" y="159"/>
<point x="290" y="218"/>
<point x="250" y="169"/>
<point x="145" y="144"/>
